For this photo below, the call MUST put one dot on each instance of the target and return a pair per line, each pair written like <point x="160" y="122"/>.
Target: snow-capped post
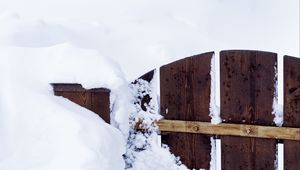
<point x="144" y="151"/>
<point x="145" y="102"/>
<point x="247" y="92"/>
<point x="136" y="139"/>
<point x="291" y="109"/>
<point x="185" y="88"/>
<point x="145" y="97"/>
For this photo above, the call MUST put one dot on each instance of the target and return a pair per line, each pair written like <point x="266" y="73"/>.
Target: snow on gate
<point x="248" y="132"/>
<point x="248" y="83"/>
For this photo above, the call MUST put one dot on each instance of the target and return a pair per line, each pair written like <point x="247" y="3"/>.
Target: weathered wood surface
<point x="185" y="95"/>
<point x="247" y="91"/>
<point x="96" y="100"/>
<point x="291" y="110"/>
<point x="228" y="129"/>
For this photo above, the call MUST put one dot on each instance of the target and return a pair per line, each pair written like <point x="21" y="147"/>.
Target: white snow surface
<point x="156" y="158"/>
<point x="144" y="151"/>
<point x="41" y="131"/>
<point x="213" y="108"/>
<point x="153" y="32"/>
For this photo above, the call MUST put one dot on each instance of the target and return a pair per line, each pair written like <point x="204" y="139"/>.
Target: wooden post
<point x="185" y="95"/>
<point x="291" y="110"/>
<point x="247" y="91"/>
<point x="96" y="100"/>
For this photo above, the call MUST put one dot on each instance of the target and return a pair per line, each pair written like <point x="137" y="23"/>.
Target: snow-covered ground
<point x="108" y="44"/>
<point x="41" y="131"/>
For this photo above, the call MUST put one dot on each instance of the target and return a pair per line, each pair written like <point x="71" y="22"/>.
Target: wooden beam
<point x="229" y="129"/>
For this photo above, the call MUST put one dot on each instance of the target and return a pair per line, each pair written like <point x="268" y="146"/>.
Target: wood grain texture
<point x="81" y="98"/>
<point x="100" y="105"/>
<point x="96" y="100"/>
<point x="228" y="129"/>
<point x="185" y="95"/>
<point x="247" y="91"/>
<point x="291" y="110"/>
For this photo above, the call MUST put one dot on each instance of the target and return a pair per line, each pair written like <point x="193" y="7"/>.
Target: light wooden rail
<point x="229" y="129"/>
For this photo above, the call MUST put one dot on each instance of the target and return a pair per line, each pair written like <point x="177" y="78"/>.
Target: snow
<point x="213" y="154"/>
<point x="214" y="109"/>
<point x="41" y="131"/>
<point x="156" y="158"/>
<point x="53" y="133"/>
<point x="52" y="42"/>
<point x="144" y="152"/>
<point x="277" y="108"/>
<point x="153" y="33"/>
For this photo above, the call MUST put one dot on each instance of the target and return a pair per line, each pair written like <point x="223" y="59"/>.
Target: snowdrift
<point x="41" y="131"/>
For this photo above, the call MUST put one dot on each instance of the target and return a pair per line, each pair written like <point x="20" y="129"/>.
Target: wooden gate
<point x="248" y="133"/>
<point x="248" y="88"/>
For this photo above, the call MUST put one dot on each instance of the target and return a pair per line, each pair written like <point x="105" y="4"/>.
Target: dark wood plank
<point x="69" y="87"/>
<point x="96" y="100"/>
<point x="148" y="76"/>
<point x="100" y="105"/>
<point x="81" y="98"/>
<point x="185" y="95"/>
<point x="64" y="87"/>
<point x="247" y="91"/>
<point x="291" y="110"/>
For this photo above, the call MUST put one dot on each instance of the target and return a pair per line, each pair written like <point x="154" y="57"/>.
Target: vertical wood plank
<point x="185" y="95"/>
<point x="100" y="104"/>
<point x="291" y="110"/>
<point x="247" y="91"/>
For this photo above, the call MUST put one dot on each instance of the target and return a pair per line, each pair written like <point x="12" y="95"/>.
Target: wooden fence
<point x="247" y="86"/>
<point x="248" y="133"/>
